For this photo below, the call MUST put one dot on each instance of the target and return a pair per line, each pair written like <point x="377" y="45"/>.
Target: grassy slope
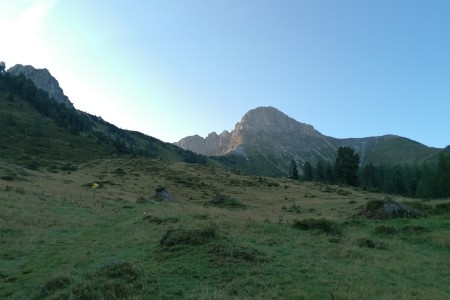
<point x="30" y="139"/>
<point x="56" y="243"/>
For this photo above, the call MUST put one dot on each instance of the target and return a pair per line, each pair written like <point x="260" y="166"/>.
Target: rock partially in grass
<point x="162" y="194"/>
<point x="388" y="209"/>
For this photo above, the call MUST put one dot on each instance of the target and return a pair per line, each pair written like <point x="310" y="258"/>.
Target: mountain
<point x="42" y="79"/>
<point x="266" y="139"/>
<point x="42" y="129"/>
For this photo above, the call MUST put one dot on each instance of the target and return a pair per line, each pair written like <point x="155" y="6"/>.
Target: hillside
<point x="37" y="131"/>
<point x="226" y="236"/>
<point x="268" y="139"/>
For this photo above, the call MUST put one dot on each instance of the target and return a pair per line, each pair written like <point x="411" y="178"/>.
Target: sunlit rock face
<point x="265" y="130"/>
<point x="42" y="79"/>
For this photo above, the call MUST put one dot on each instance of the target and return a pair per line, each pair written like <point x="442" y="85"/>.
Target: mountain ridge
<point x="275" y="138"/>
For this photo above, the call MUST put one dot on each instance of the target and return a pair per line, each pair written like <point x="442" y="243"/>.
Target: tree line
<point x="426" y="180"/>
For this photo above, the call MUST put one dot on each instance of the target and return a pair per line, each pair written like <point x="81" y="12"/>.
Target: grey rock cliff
<point x="43" y="80"/>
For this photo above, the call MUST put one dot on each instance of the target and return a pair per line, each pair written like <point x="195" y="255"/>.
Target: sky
<point x="175" y="68"/>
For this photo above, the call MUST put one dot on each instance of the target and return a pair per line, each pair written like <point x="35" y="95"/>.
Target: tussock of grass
<point x="293" y="208"/>
<point x="117" y="280"/>
<point x="158" y="220"/>
<point x="385" y="229"/>
<point x="228" y="253"/>
<point x="414" y="229"/>
<point x="174" y="237"/>
<point x="319" y="225"/>
<point x="224" y="201"/>
<point x="365" y="242"/>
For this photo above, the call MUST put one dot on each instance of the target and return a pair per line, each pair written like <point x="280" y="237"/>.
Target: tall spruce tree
<point x="293" y="170"/>
<point x="443" y="176"/>
<point x="307" y="171"/>
<point x="346" y="166"/>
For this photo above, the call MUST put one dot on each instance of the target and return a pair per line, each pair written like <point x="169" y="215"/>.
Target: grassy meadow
<point x="227" y="236"/>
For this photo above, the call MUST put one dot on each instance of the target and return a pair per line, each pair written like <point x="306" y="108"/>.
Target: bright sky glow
<point x="175" y="68"/>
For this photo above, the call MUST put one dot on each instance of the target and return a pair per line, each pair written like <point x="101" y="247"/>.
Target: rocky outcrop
<point x="213" y="144"/>
<point x="43" y="80"/>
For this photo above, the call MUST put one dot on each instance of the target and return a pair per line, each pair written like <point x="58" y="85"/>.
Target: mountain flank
<point x="268" y="139"/>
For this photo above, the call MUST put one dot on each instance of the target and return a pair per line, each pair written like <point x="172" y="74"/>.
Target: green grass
<point x="56" y="243"/>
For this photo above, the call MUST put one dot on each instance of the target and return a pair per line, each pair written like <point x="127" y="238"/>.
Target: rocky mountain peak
<point x="43" y="80"/>
<point x="262" y="127"/>
<point x="270" y="119"/>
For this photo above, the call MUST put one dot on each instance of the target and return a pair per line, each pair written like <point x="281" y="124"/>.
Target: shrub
<point x="443" y="208"/>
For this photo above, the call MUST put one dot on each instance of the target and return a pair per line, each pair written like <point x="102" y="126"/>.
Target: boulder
<point x="388" y="209"/>
<point x="162" y="194"/>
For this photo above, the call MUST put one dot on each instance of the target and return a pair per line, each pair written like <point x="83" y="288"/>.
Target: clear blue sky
<point x="173" y="68"/>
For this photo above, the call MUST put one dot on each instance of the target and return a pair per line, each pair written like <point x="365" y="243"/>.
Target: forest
<point x="425" y="180"/>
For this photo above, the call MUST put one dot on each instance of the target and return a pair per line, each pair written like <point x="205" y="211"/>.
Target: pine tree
<point x="293" y="171"/>
<point x="346" y="166"/>
<point x="307" y="171"/>
<point x="443" y="176"/>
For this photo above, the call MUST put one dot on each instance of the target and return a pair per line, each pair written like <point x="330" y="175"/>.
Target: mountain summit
<point x="267" y="123"/>
<point x="271" y="119"/>
<point x="43" y="80"/>
<point x="268" y="139"/>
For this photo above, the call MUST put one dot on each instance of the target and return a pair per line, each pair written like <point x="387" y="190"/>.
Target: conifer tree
<point x="346" y="166"/>
<point x="293" y="171"/>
